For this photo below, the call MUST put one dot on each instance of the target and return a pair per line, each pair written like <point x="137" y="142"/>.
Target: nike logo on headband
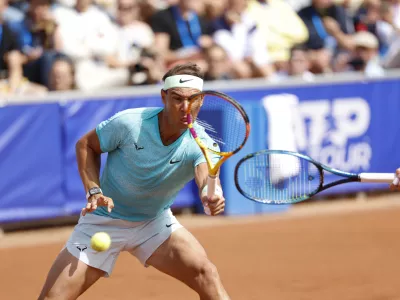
<point x="183" y="81"/>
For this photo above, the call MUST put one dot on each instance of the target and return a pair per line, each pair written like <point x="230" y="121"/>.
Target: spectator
<point x="133" y="37"/>
<point x="368" y="16"/>
<point x="180" y="33"/>
<point x="39" y="39"/>
<point x="351" y="6"/>
<point x="366" y="55"/>
<point x="386" y="29"/>
<point x="280" y="26"/>
<point x="219" y="66"/>
<point x="149" y="70"/>
<point x="89" y="37"/>
<point x="148" y="8"/>
<point x="329" y="31"/>
<point x="396" y="9"/>
<point x="214" y="9"/>
<point x="299" y="65"/>
<point x="11" y="14"/>
<point x="238" y="34"/>
<point x="10" y="57"/>
<point x="11" y="62"/>
<point x="62" y="74"/>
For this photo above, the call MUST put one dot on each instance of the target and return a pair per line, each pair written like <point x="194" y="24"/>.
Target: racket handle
<point x="377" y="177"/>
<point x="211" y="184"/>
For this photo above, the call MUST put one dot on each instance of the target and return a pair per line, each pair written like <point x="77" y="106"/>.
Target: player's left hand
<point x="216" y="204"/>
<point x="395" y="186"/>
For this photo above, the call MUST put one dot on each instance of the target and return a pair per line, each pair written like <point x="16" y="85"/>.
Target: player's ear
<point x="164" y="96"/>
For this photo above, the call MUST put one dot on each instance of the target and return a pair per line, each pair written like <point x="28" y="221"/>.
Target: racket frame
<point x="213" y="170"/>
<point x="348" y="177"/>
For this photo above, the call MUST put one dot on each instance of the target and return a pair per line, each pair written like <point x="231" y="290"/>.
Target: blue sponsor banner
<point x="349" y="126"/>
<point x="30" y="163"/>
<point x="352" y="127"/>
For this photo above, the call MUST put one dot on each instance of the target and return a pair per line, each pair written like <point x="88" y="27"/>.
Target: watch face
<point x="94" y="191"/>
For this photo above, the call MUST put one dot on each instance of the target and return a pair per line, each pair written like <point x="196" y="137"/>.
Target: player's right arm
<point x="88" y="154"/>
<point x="396" y="182"/>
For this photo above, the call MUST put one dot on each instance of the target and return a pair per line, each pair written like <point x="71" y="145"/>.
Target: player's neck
<point x="168" y="133"/>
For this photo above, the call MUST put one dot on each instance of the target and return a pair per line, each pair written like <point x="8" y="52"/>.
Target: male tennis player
<point x="151" y="156"/>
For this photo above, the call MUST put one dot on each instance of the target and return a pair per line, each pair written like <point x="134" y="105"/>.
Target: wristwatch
<point x="93" y="191"/>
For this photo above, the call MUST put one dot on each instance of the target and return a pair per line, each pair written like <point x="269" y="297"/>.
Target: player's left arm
<point x="216" y="203"/>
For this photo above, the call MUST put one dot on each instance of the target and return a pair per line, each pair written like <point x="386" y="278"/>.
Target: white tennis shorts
<point x="141" y="239"/>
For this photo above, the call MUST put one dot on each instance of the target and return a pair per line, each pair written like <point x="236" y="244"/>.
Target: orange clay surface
<point x="342" y="250"/>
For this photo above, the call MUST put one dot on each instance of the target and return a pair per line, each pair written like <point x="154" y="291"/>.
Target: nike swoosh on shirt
<point x="174" y="161"/>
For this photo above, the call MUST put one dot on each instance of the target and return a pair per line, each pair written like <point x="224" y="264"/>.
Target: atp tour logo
<point x="330" y="131"/>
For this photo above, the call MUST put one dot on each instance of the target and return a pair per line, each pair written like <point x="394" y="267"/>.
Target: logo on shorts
<point x="169" y="225"/>
<point x="81" y="248"/>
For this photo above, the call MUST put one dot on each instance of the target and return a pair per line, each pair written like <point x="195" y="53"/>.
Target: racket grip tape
<point x="210" y="189"/>
<point x="377" y="177"/>
<point x="211" y="186"/>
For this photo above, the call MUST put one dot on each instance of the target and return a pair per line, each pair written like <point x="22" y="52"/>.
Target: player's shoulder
<point x="130" y="119"/>
<point x="136" y="114"/>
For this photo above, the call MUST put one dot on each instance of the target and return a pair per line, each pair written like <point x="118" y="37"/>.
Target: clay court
<point x="347" y="250"/>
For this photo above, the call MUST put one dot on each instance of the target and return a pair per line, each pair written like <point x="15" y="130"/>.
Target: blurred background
<point x="318" y="77"/>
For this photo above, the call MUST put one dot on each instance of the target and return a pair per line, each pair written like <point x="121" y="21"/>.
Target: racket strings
<point x="278" y="178"/>
<point x="223" y="122"/>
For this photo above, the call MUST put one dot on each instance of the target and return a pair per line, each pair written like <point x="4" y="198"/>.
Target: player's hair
<point x="185" y="69"/>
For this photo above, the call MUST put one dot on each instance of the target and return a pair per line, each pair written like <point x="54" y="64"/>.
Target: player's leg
<point x="68" y="278"/>
<point x="182" y="257"/>
<point x="78" y="266"/>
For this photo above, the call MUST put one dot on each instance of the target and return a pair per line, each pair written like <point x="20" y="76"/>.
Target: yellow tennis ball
<point x="100" y="241"/>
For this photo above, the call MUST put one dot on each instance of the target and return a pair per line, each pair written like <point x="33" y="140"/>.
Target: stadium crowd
<point x="60" y="45"/>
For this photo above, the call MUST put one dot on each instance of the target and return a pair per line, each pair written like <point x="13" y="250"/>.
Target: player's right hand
<point x="395" y="186"/>
<point x="98" y="200"/>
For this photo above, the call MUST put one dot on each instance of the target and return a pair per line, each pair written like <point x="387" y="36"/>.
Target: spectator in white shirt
<point x="133" y="35"/>
<point x="237" y="33"/>
<point x="89" y="37"/>
<point x="135" y="50"/>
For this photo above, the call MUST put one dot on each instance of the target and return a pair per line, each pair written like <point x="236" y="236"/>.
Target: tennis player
<point x="151" y="156"/>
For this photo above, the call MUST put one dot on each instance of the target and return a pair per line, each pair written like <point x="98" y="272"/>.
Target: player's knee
<point x="55" y="294"/>
<point x="207" y="273"/>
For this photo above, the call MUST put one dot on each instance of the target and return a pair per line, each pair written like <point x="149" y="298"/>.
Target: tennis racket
<point x="224" y="120"/>
<point x="283" y="177"/>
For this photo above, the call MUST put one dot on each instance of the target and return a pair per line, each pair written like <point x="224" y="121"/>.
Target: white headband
<point x="183" y="81"/>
